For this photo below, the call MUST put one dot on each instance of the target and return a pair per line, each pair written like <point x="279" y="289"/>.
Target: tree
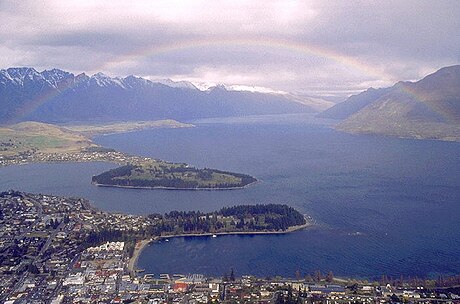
<point x="329" y="277"/>
<point x="232" y="275"/>
<point x="394" y="298"/>
<point x="279" y="299"/>
<point x="290" y="297"/>
<point x="297" y="274"/>
<point x="33" y="269"/>
<point x="318" y="276"/>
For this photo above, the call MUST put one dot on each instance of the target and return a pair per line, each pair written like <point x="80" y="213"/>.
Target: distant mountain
<point x="353" y="104"/>
<point x="176" y="84"/>
<point x="59" y="96"/>
<point x="429" y="108"/>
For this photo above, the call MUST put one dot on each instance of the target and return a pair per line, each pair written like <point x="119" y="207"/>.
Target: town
<point x="86" y="155"/>
<point x="62" y="250"/>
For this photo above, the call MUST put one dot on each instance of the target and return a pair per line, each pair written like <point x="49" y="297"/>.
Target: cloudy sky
<point x="328" y="48"/>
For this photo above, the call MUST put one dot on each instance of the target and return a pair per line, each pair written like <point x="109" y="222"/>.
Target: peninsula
<point x="63" y="250"/>
<point x="94" y="129"/>
<point x="31" y="141"/>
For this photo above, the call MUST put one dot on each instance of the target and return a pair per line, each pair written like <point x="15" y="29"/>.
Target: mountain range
<point x="58" y="96"/>
<point x="428" y="108"/>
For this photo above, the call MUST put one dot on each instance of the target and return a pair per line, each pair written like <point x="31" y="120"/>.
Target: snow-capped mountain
<point x="206" y="86"/>
<point x="176" y="84"/>
<point x="59" y="96"/>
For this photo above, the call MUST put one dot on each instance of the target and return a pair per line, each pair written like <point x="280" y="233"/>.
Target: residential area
<point x="88" y="155"/>
<point x="62" y="250"/>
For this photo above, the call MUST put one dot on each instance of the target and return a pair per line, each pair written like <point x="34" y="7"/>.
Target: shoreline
<point x="172" y="188"/>
<point x="289" y="230"/>
<point x="120" y="127"/>
<point x="140" y="245"/>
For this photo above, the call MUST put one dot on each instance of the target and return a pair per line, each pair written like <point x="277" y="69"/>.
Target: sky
<point x="322" y="48"/>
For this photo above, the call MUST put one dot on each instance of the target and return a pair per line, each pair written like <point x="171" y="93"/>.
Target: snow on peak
<point x="55" y="76"/>
<point x="207" y="86"/>
<point x="5" y="76"/>
<point x="132" y="81"/>
<point x="56" y="73"/>
<point x="254" y="89"/>
<point x="19" y="75"/>
<point x="82" y="77"/>
<point x="203" y="86"/>
<point x="103" y="80"/>
<point x="219" y="86"/>
<point x="176" y="84"/>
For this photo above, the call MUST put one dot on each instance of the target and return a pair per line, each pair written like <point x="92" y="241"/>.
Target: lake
<point x="382" y="205"/>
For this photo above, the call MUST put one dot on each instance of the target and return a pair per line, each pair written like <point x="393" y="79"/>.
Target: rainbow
<point x="303" y="50"/>
<point x="409" y="90"/>
<point x="35" y="103"/>
<point x="300" y="49"/>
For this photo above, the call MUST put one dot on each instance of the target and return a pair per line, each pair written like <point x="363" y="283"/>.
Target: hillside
<point x="32" y="137"/>
<point x="40" y="137"/>
<point x="426" y="109"/>
<point x="353" y="104"/>
<point x="59" y="96"/>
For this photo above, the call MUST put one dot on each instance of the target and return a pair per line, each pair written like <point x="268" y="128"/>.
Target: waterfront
<point x="383" y="205"/>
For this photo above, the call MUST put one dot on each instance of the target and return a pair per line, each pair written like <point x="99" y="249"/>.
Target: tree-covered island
<point x="160" y="174"/>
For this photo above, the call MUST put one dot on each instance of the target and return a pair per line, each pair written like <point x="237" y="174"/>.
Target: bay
<point x="382" y="205"/>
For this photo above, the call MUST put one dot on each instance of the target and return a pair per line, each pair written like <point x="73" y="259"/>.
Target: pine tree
<point x="297" y="274"/>
<point x="329" y="277"/>
<point x="232" y="275"/>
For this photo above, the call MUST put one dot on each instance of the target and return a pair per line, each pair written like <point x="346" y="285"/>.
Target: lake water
<point x="382" y="205"/>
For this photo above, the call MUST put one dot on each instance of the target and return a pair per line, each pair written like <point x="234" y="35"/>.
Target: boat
<point x="214" y="236"/>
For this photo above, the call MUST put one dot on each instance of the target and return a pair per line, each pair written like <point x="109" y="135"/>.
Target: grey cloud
<point x="402" y="39"/>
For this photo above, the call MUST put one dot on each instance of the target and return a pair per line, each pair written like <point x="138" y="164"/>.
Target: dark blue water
<point x="383" y="205"/>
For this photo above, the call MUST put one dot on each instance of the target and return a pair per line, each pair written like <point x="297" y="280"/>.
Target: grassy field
<point x="40" y="137"/>
<point x="47" y="138"/>
<point x="204" y="177"/>
<point x="91" y="130"/>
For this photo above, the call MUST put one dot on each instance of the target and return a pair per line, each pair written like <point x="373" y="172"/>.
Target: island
<point x="154" y="174"/>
